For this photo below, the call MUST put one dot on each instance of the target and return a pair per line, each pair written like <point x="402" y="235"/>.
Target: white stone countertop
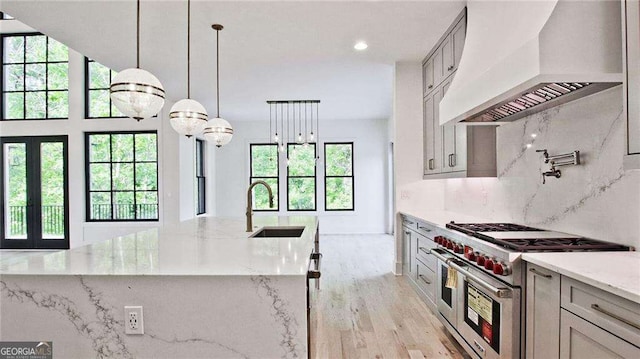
<point x="202" y="246"/>
<point x="614" y="272"/>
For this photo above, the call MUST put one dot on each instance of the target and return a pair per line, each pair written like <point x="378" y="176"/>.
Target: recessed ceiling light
<point x="360" y="45"/>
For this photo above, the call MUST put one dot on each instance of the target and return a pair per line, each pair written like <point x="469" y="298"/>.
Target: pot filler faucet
<point x="250" y="202"/>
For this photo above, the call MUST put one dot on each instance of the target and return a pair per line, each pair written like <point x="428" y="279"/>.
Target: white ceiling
<point x="268" y="50"/>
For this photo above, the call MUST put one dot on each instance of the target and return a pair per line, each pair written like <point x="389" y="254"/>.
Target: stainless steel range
<point x="481" y="280"/>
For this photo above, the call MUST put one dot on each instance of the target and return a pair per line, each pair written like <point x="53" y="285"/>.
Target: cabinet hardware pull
<point x="614" y="316"/>
<point x="452" y="159"/>
<point x="407" y="233"/>
<point x="411" y="223"/>
<point x="430" y="86"/>
<point x="450" y="68"/>
<point x="424" y="228"/>
<point x="430" y="162"/>
<point x="426" y="250"/>
<point x="424" y="280"/>
<point x="534" y="271"/>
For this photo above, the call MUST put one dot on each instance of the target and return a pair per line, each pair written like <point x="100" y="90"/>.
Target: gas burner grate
<point x="473" y="228"/>
<point x="556" y="244"/>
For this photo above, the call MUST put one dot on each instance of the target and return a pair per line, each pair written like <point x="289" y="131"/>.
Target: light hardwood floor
<point x="364" y="311"/>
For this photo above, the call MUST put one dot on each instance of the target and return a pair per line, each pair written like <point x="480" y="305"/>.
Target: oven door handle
<point x="498" y="292"/>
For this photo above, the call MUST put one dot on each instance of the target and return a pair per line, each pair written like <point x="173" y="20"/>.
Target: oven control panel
<point x="481" y="260"/>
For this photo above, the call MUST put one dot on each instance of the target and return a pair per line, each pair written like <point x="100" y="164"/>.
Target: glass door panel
<point x="52" y="202"/>
<point x="15" y="190"/>
<point x="34" y="191"/>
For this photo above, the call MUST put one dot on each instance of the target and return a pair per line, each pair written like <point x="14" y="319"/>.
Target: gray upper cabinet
<point x="427" y="75"/>
<point x="631" y="88"/>
<point x="458" y="36"/>
<point x="452" y="150"/>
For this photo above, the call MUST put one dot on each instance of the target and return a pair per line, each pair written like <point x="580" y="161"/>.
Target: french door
<point x="35" y="193"/>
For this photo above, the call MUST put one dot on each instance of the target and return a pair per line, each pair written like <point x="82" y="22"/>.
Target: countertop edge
<point x="608" y="287"/>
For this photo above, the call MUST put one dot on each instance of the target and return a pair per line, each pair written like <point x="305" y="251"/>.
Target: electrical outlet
<point x="133" y="321"/>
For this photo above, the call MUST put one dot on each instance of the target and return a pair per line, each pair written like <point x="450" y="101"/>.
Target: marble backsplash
<point x="597" y="199"/>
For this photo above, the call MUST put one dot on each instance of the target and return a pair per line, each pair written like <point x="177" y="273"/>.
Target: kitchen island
<point x="207" y="290"/>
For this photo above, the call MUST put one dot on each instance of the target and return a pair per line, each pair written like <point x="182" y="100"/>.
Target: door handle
<point x="534" y="271"/>
<point x="614" y="316"/>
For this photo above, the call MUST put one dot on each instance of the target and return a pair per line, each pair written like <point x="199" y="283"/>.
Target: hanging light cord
<point x="188" y="49"/>
<point x="218" y="71"/>
<point x="138" y="35"/>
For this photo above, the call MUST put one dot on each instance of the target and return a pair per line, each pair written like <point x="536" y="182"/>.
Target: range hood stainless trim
<point x="538" y="98"/>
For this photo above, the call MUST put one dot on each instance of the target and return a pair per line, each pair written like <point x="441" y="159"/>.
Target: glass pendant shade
<point x="219" y="132"/>
<point x="137" y="93"/>
<point x="188" y="117"/>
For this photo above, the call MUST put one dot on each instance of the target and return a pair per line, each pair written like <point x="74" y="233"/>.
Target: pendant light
<point x="188" y="117"/>
<point x="136" y="92"/>
<point x="219" y="130"/>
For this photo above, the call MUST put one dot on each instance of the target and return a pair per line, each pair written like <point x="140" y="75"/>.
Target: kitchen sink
<point x="279" y="232"/>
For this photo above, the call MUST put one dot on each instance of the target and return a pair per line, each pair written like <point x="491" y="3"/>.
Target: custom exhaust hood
<point x="521" y="57"/>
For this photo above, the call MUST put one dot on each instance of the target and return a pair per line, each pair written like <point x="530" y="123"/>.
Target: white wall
<point x="176" y="169"/>
<point x="410" y="190"/>
<point x="370" y="171"/>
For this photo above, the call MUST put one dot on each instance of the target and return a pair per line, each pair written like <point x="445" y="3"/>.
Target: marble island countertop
<point x="614" y="272"/>
<point x="202" y="246"/>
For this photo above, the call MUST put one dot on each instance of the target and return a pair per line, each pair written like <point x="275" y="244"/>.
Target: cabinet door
<point x="447" y="56"/>
<point x="438" y="70"/>
<point x="432" y="159"/>
<point x="543" y="313"/>
<point x="406" y="255"/>
<point x="579" y="339"/>
<point x="632" y="90"/>
<point x="457" y="37"/>
<point x="427" y="76"/>
<point x="427" y="135"/>
<point x="454" y="142"/>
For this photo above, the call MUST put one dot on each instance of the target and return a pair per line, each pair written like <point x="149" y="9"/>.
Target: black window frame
<point x="88" y="89"/>
<point x="276" y="205"/>
<point x="24" y="91"/>
<point x="112" y="191"/>
<point x="201" y="178"/>
<point x="352" y="176"/>
<point x="315" y="179"/>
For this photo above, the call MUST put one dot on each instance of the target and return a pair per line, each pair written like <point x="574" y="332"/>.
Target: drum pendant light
<point x="136" y="92"/>
<point x="188" y="117"/>
<point x="219" y="131"/>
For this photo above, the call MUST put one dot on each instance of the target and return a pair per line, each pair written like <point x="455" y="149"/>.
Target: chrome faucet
<point x="250" y="202"/>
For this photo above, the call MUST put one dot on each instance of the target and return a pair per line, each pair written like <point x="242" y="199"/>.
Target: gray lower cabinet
<point x="419" y="266"/>
<point x="581" y="339"/>
<point x="543" y="313"/>
<point x="408" y="261"/>
<point x="569" y="319"/>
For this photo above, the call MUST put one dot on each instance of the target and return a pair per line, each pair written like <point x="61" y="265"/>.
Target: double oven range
<point x="481" y="279"/>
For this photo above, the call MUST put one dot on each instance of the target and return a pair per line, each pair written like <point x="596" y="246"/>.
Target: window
<point x="97" y="82"/>
<point x="301" y="177"/>
<point x="122" y="176"/>
<point x="338" y="177"/>
<point x="35" y="81"/>
<point x="5" y="16"/>
<point x="200" y="177"/>
<point x="264" y="167"/>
